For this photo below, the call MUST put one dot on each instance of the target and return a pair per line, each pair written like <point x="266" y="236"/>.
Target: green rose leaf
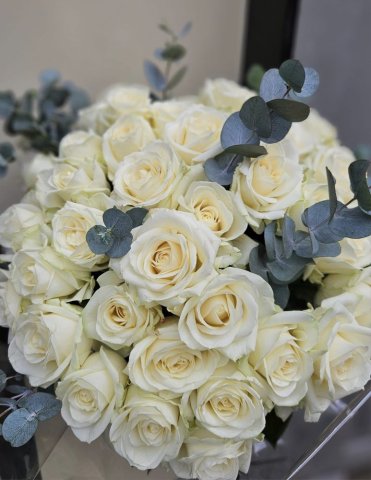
<point x="19" y="427"/>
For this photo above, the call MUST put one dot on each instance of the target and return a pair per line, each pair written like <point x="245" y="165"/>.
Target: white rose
<point x="11" y="305"/>
<point x="98" y="117"/>
<point x="23" y="226"/>
<point x="171" y="258"/>
<point x="114" y="317"/>
<point x="147" y="178"/>
<point x="129" y="134"/>
<point x="224" y="94"/>
<point x="228" y="404"/>
<point x="282" y="355"/>
<point x="205" y="456"/>
<point x="343" y="363"/>
<point x="38" y="164"/>
<point x="266" y="186"/>
<point x="45" y="274"/>
<point x="312" y="133"/>
<point x="311" y="193"/>
<point x="225" y="315"/>
<point x="163" y="362"/>
<point x="148" y="429"/>
<point x="211" y="204"/>
<point x="124" y="99"/>
<point x="70" y="226"/>
<point x="195" y="135"/>
<point x="84" y="146"/>
<point x="355" y="254"/>
<point x="162" y="113"/>
<point x="44" y="340"/>
<point x="70" y="180"/>
<point x="91" y="393"/>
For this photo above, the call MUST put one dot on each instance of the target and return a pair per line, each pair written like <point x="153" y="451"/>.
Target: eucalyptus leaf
<point x="117" y="221"/>
<point x="255" y="116"/>
<point x="332" y="194"/>
<point x="359" y="184"/>
<point x="328" y="250"/>
<point x="247" y="150"/>
<point x="281" y="294"/>
<point x="8" y="403"/>
<point x="154" y="76"/>
<point x="290" y="109"/>
<point x="17" y="389"/>
<point x="310" y="86"/>
<point x="288" y="233"/>
<point x="351" y="223"/>
<point x="49" y="77"/>
<point x="7" y="151"/>
<point x="173" y="52"/>
<point x="21" y="123"/>
<point x="257" y="262"/>
<point x="3" y="380"/>
<point x="121" y="246"/>
<point x="293" y="73"/>
<point x="234" y="132"/>
<point x="43" y="405"/>
<point x="176" y="78"/>
<point x="254" y="76"/>
<point x="272" y="86"/>
<point x="316" y="218"/>
<point x="99" y="239"/>
<point x="280" y="128"/>
<point x="185" y="30"/>
<point x="137" y="215"/>
<point x="19" y="427"/>
<point x="269" y="240"/>
<point x="79" y="99"/>
<point x="221" y="169"/>
<point x="3" y="166"/>
<point x="286" y="270"/>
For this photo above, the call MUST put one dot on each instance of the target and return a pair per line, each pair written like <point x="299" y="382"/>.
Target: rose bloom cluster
<point x="176" y="349"/>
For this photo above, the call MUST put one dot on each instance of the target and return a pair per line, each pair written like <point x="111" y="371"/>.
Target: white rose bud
<point x="148" y="429"/>
<point x="163" y="362"/>
<point x="90" y="393"/>
<point x="171" y="258"/>
<point x="147" y="178"/>
<point x="45" y="274"/>
<point x="224" y="94"/>
<point x="266" y="186"/>
<point x="282" y="355"/>
<point x="70" y="226"/>
<point x="228" y="404"/>
<point x="205" y="456"/>
<point x="23" y="226"/>
<point x="45" y="339"/>
<point x="114" y="317"/>
<point x="129" y="134"/>
<point x="343" y="362"/>
<point x="225" y="315"/>
<point x="195" y="135"/>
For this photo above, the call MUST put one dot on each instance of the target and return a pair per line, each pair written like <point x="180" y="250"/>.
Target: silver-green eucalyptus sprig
<point x="163" y="81"/>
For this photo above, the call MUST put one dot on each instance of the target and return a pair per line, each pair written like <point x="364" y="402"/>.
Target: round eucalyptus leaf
<point x="221" y="169"/>
<point x="293" y="73"/>
<point x="247" y="150"/>
<point x="43" y="405"/>
<point x="185" y="30"/>
<point x="290" y="109"/>
<point x="19" y="427"/>
<point x="154" y="76"/>
<point x="359" y="183"/>
<point x="99" y="239"/>
<point x="137" y="215"/>
<point x="280" y="128"/>
<point x="7" y="104"/>
<point x="173" y="52"/>
<point x="121" y="246"/>
<point x="117" y="221"/>
<point x="49" y="77"/>
<point x="255" y="116"/>
<point x="272" y="86"/>
<point x="351" y="223"/>
<point x="3" y="380"/>
<point x="234" y="132"/>
<point x="7" y="151"/>
<point x="3" y="166"/>
<point x="310" y="86"/>
<point x="17" y="389"/>
<point x="176" y="78"/>
<point x="254" y="76"/>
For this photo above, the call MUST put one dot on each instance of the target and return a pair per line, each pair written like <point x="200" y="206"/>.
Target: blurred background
<point x="96" y="43"/>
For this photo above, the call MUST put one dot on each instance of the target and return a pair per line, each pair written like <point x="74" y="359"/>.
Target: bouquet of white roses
<point x="184" y="267"/>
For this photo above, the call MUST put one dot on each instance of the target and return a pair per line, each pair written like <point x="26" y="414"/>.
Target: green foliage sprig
<point x="41" y="118"/>
<point x="172" y="52"/>
<point x="282" y="259"/>
<point x="114" y="238"/>
<point x="24" y="410"/>
<point x="266" y="118"/>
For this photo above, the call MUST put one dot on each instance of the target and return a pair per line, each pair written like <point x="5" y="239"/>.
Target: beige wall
<point x="99" y="42"/>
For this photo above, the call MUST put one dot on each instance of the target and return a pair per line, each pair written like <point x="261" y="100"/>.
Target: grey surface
<point x="334" y="36"/>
